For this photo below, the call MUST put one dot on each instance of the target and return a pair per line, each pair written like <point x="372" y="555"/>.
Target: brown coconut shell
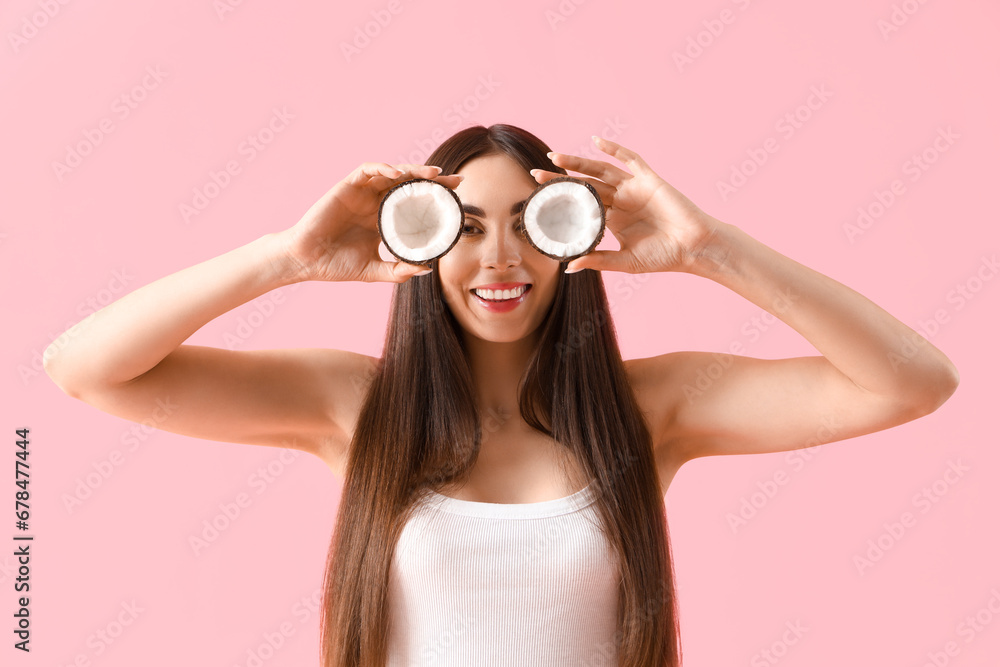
<point x="423" y="262"/>
<point x="593" y="191"/>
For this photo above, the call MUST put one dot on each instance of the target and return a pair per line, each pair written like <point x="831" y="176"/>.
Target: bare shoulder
<point x="657" y="397"/>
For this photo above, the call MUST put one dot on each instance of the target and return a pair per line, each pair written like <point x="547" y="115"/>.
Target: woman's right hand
<point x="337" y="239"/>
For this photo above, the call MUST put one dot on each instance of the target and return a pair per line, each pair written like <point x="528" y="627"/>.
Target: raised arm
<point x="130" y="336"/>
<point x="874" y="372"/>
<point x="127" y="359"/>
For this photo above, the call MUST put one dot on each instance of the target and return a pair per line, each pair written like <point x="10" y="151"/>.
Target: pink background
<point x="113" y="224"/>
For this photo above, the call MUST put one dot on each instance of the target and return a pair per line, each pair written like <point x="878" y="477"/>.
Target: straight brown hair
<point x="420" y="428"/>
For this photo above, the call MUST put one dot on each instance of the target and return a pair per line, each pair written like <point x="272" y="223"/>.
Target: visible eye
<point x="520" y="229"/>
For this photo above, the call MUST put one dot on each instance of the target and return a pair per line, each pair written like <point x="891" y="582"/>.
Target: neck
<point x="497" y="369"/>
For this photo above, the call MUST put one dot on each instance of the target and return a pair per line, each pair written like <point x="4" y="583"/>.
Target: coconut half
<point x="564" y="218"/>
<point x="420" y="220"/>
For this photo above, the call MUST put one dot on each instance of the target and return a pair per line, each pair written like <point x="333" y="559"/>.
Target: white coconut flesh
<point x="420" y="220"/>
<point x="563" y="218"/>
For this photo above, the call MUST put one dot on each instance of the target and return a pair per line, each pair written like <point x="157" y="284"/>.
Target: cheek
<point x="450" y="288"/>
<point x="453" y="271"/>
<point x="551" y="289"/>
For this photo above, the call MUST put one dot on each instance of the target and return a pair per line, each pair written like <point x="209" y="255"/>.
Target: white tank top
<point x="503" y="584"/>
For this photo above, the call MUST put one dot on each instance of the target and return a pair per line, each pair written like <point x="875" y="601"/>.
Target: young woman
<point x="504" y="469"/>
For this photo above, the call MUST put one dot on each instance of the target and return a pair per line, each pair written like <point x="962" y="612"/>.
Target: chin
<point x="504" y="333"/>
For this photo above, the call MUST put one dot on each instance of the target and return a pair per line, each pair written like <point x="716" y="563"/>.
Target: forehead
<point x="497" y="177"/>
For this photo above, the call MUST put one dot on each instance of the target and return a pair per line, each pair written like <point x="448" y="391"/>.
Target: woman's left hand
<point x="658" y="228"/>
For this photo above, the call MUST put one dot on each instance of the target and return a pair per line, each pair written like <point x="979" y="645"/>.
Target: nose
<point x="503" y="249"/>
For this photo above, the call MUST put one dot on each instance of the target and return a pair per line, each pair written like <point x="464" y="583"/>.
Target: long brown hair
<point x="420" y="428"/>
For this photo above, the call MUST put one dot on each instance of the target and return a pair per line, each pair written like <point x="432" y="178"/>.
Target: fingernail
<point x="595" y="138"/>
<point x="436" y="167"/>
<point x="550" y="155"/>
<point x="573" y="270"/>
<point x="423" y="273"/>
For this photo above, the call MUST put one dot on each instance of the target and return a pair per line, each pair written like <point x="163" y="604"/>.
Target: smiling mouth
<point x="497" y="295"/>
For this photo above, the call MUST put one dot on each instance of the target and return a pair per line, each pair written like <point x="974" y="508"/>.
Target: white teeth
<point x="501" y="295"/>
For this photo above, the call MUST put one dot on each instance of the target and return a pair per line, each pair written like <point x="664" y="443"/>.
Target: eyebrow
<point x="475" y="210"/>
